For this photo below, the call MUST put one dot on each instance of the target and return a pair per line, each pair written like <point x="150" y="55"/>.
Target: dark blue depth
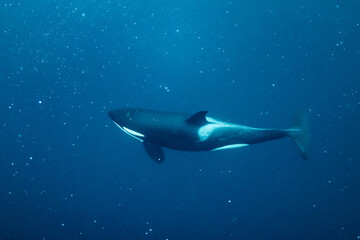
<point x="67" y="172"/>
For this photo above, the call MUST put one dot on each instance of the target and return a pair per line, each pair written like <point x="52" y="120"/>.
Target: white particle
<point x="229" y="201"/>
<point x="177" y="30"/>
<point x="62" y="224"/>
<point x="83" y="14"/>
<point x="40" y="101"/>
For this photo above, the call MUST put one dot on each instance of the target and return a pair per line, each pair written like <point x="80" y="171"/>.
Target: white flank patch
<point x="205" y="131"/>
<point x="231" y="146"/>
<point x="128" y="131"/>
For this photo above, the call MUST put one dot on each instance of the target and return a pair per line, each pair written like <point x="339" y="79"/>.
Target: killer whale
<point x="199" y="132"/>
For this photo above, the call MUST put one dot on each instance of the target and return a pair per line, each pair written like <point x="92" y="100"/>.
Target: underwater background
<point x="67" y="172"/>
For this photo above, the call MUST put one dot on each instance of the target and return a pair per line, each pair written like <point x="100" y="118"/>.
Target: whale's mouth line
<point x="131" y="132"/>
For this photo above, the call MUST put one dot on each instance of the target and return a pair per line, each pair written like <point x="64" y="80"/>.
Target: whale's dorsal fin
<point x="155" y="152"/>
<point x="198" y="118"/>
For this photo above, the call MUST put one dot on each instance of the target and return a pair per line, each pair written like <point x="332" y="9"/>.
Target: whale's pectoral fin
<point x="198" y="118"/>
<point x="155" y="152"/>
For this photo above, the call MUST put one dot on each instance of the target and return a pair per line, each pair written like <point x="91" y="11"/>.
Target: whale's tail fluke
<point x="299" y="132"/>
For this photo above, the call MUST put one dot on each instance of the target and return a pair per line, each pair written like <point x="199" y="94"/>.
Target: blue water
<point x="67" y="172"/>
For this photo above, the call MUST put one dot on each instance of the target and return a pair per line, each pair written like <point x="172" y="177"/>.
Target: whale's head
<point x="123" y="119"/>
<point x="120" y="116"/>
